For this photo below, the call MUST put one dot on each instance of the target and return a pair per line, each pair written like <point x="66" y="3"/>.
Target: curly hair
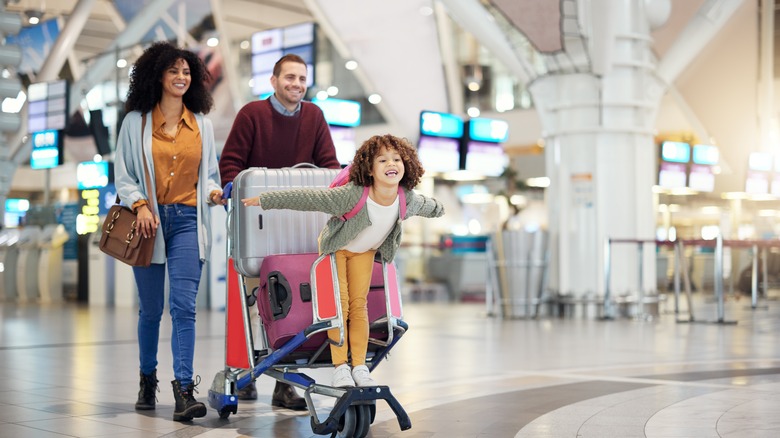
<point x="146" y="84"/>
<point x="360" y="172"/>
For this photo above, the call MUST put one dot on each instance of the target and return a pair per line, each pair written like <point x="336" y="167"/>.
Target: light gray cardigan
<point x="340" y="200"/>
<point x="131" y="183"/>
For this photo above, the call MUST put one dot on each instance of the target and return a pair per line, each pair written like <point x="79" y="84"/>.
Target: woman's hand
<point x="146" y="221"/>
<point x="216" y="198"/>
<point x="251" y="202"/>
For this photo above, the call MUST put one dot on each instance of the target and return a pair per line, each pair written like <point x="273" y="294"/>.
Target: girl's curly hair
<point x="146" y="79"/>
<point x="360" y="172"/>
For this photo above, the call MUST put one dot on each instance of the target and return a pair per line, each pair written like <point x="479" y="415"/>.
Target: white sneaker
<point x="362" y="377"/>
<point x="342" y="377"/>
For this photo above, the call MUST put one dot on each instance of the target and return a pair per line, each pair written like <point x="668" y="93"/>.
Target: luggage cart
<point x="355" y="408"/>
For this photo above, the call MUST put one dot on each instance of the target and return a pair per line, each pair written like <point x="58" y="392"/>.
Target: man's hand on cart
<point x="251" y="202"/>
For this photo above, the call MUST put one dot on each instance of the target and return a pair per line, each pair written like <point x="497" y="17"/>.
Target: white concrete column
<point x="601" y="159"/>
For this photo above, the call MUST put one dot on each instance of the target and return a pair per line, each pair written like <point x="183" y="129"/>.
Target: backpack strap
<point x="350" y="214"/>
<point x="401" y="200"/>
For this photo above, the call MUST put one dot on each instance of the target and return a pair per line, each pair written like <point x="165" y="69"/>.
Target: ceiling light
<point x="473" y="111"/>
<point x="212" y="42"/>
<point x="333" y="90"/>
<point x="322" y="95"/>
<point x="374" y="98"/>
<point x="351" y="65"/>
<point x="121" y="63"/>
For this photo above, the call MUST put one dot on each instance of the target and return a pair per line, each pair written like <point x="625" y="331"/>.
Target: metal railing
<point x="681" y="272"/>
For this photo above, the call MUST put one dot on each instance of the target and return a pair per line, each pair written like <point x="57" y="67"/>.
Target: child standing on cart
<point x="389" y="167"/>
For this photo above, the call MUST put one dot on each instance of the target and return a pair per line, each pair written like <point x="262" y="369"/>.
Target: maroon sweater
<point x="261" y="137"/>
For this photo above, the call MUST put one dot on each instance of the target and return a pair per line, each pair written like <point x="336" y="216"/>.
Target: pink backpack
<point x="343" y="177"/>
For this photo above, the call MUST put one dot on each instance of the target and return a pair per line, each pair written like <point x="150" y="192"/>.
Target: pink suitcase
<point x="284" y="300"/>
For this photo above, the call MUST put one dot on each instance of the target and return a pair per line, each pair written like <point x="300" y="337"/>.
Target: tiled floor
<point x="72" y="371"/>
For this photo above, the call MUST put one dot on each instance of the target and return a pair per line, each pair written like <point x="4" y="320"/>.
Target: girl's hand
<point x="251" y="202"/>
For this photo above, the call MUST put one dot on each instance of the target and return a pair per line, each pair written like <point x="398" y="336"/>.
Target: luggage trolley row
<point x="298" y="302"/>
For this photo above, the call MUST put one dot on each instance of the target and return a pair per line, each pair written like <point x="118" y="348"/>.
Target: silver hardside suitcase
<point x="256" y="233"/>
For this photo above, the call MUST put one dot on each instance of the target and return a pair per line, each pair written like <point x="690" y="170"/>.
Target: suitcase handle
<point x="279" y="295"/>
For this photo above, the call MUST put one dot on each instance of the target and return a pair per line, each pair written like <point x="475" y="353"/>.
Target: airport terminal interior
<point x="608" y="264"/>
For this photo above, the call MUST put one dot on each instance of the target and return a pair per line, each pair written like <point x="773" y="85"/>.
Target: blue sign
<point x="676" y="151"/>
<point x="340" y="112"/>
<point x="488" y="130"/>
<point x="46" y="149"/>
<point x="91" y="175"/>
<point x="441" y="124"/>
<point x="705" y="154"/>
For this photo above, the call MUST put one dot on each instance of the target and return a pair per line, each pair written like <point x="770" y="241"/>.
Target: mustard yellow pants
<point x="354" y="271"/>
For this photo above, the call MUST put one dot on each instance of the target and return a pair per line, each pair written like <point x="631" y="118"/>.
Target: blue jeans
<point x="178" y="223"/>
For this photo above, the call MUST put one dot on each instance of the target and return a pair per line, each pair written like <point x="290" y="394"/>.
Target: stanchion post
<point x="677" y="267"/>
<point x="754" y="279"/>
<point x="607" y="260"/>
<point x="719" y="276"/>
<point x="766" y="273"/>
<point x="640" y="255"/>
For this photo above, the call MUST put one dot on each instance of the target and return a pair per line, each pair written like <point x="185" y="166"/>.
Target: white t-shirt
<point x="382" y="220"/>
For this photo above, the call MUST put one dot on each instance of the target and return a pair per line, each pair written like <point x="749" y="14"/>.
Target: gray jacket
<point x="340" y="200"/>
<point x="131" y="183"/>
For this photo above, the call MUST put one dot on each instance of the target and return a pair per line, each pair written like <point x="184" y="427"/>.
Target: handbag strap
<point x="149" y="199"/>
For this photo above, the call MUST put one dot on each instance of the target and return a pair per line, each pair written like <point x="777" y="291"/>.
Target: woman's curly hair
<point x="146" y="79"/>
<point x="360" y="172"/>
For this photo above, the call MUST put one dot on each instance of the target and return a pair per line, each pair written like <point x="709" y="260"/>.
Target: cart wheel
<point x="347" y="424"/>
<point x="372" y="410"/>
<point x="363" y="420"/>
<point x="224" y="413"/>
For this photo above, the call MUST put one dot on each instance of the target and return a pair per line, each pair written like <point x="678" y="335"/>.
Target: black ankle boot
<point x="146" y="395"/>
<point x="187" y="407"/>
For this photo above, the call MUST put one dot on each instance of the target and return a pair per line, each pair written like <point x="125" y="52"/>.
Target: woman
<point x="165" y="133"/>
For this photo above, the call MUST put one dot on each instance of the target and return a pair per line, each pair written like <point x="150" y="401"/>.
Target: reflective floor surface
<point x="72" y="371"/>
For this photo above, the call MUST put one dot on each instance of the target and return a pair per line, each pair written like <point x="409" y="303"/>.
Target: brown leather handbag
<point x="121" y="239"/>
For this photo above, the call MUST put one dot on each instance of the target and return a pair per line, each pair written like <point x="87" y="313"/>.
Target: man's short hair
<point x="290" y="57"/>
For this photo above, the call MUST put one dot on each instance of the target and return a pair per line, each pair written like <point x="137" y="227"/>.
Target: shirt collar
<point x="281" y="109"/>
<point x="186" y="116"/>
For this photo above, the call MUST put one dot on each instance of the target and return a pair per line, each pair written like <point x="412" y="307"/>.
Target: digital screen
<point x="701" y="178"/>
<point x="775" y="190"/>
<point x="270" y="45"/>
<point x="439" y="154"/>
<point x="47" y="149"/>
<point x="676" y="152"/>
<point x="488" y="130"/>
<point x="91" y="175"/>
<point x="16" y="205"/>
<point x="441" y="124"/>
<point x="298" y="35"/>
<point x="339" y="111"/>
<point x="705" y="154"/>
<point x="672" y="176"/>
<point x="757" y="183"/>
<point x="344" y="141"/>
<point x="47" y="106"/>
<point x="267" y="40"/>
<point x="761" y="161"/>
<point x="486" y="159"/>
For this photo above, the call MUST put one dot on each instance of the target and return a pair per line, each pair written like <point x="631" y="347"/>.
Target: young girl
<point x="383" y="163"/>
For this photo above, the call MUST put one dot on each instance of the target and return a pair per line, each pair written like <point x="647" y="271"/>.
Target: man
<point x="280" y="131"/>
